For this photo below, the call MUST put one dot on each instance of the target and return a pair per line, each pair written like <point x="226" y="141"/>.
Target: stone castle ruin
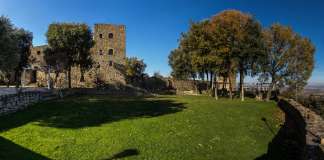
<point x="108" y="54"/>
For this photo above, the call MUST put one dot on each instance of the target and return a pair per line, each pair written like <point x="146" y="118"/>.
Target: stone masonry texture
<point x="108" y="54"/>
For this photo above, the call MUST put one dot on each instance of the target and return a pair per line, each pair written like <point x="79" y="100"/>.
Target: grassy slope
<point x="166" y="127"/>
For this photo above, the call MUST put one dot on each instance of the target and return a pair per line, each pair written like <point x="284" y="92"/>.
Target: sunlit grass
<point x="163" y="127"/>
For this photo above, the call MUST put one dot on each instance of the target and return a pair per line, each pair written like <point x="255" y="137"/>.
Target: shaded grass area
<point x="163" y="127"/>
<point x="10" y="150"/>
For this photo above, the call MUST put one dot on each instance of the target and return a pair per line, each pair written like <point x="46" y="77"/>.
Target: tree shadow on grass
<point x="123" y="154"/>
<point x="12" y="151"/>
<point x="286" y="143"/>
<point x="90" y="111"/>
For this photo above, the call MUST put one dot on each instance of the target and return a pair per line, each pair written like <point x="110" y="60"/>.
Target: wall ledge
<point x="308" y="123"/>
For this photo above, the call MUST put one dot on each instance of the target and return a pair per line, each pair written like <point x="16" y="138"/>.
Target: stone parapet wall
<point x="309" y="127"/>
<point x="122" y="90"/>
<point x="14" y="102"/>
<point x="184" y="86"/>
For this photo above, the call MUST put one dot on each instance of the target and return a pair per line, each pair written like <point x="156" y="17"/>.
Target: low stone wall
<point x="14" y="102"/>
<point x="125" y="90"/>
<point x="308" y="128"/>
<point x="182" y="87"/>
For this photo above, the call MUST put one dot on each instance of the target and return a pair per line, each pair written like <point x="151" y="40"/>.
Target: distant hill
<point x="317" y="88"/>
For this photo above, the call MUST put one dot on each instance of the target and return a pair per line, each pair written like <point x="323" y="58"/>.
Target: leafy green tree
<point x="290" y="58"/>
<point x="181" y="64"/>
<point x="239" y="37"/>
<point x="15" y="46"/>
<point x="198" y="44"/>
<point x="9" y="57"/>
<point x="222" y="29"/>
<point x="74" y="41"/>
<point x="194" y="55"/>
<point x="301" y="64"/>
<point x="24" y="40"/>
<point x="233" y="42"/>
<point x="155" y="83"/>
<point x="244" y="32"/>
<point x="134" y="71"/>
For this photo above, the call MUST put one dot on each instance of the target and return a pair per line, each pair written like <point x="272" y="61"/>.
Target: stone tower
<point x="109" y="52"/>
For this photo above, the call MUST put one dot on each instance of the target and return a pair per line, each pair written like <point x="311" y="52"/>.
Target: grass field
<point x="161" y="128"/>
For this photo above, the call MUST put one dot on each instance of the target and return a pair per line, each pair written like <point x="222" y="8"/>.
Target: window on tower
<point x="100" y="35"/>
<point x="110" y="52"/>
<point x="100" y="52"/>
<point x="110" y="35"/>
<point x="110" y="63"/>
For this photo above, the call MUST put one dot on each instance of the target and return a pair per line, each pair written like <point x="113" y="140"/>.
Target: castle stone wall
<point x="308" y="126"/>
<point x="14" y="102"/>
<point x="108" y="54"/>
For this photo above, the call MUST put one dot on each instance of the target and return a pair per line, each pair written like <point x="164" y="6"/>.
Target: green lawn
<point x="163" y="127"/>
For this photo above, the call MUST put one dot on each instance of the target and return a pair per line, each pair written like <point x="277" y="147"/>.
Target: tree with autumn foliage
<point x="239" y="40"/>
<point x="290" y="58"/>
<point x="194" y="57"/>
<point x="233" y="42"/>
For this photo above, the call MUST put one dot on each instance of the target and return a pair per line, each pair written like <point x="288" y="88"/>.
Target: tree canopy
<point x="134" y="71"/>
<point x="70" y="41"/>
<point x="15" y="46"/>
<point x="290" y="57"/>
<point x="233" y="42"/>
<point x="237" y="37"/>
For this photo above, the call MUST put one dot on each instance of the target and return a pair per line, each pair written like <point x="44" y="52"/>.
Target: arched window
<point x="110" y="35"/>
<point x="110" y="52"/>
<point x="100" y="52"/>
<point x="100" y="35"/>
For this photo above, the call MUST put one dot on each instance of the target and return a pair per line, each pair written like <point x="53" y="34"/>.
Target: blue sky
<point x="154" y="26"/>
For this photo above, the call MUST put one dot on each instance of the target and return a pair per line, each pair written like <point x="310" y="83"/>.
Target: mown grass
<point x="162" y="127"/>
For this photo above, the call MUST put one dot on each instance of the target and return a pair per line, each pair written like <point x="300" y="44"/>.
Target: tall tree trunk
<point x="215" y="86"/>
<point x="260" y="94"/>
<point x="207" y="76"/>
<point x="82" y="74"/>
<point x="8" y="78"/>
<point x="202" y="76"/>
<point x="224" y="82"/>
<point x="69" y="77"/>
<point x="17" y="78"/>
<point x="211" y="79"/>
<point x="207" y="79"/>
<point x="270" y="88"/>
<point x="57" y="74"/>
<point x="49" y="78"/>
<point x="212" y="85"/>
<point x="242" y="84"/>
<point x="223" y="91"/>
<point x="230" y="86"/>
<point x="195" y="84"/>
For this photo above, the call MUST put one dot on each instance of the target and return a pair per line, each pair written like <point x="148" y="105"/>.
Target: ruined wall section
<point x="36" y="57"/>
<point x="108" y="54"/>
